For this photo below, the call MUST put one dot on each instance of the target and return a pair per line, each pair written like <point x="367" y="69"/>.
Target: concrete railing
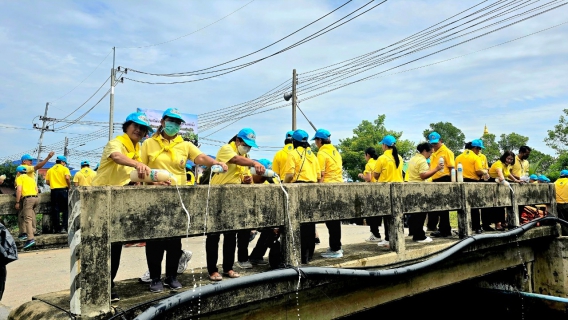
<point x="8" y="201"/>
<point x="101" y="215"/>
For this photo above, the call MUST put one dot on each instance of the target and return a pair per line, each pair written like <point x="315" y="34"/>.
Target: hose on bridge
<point x="292" y="273"/>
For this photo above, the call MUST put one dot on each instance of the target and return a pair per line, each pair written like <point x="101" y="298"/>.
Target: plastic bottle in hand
<point x="156" y="175"/>
<point x="267" y="173"/>
<point x="460" y="172"/>
<point x="441" y="161"/>
<point x="453" y="175"/>
<point x="217" y="169"/>
<point x="504" y="182"/>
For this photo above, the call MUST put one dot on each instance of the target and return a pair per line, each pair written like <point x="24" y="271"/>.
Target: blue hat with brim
<point x="289" y="134"/>
<point x="27" y="157"/>
<point x="434" y="137"/>
<point x="189" y="165"/>
<point x="564" y="173"/>
<point x="248" y="136"/>
<point x="85" y="163"/>
<point x="266" y="163"/>
<point x="62" y="158"/>
<point x="141" y="119"/>
<point x="300" y="135"/>
<point x="322" y="134"/>
<point x="543" y="178"/>
<point x="477" y="143"/>
<point x="388" y="141"/>
<point x="533" y="177"/>
<point x="172" y="113"/>
<point x="21" y="169"/>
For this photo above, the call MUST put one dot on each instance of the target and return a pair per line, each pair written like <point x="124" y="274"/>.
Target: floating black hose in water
<point x="292" y="273"/>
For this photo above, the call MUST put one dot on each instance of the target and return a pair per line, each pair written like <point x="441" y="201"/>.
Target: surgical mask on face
<point x="171" y="128"/>
<point x="243" y="150"/>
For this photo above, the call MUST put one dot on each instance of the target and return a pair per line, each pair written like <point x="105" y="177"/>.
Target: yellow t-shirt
<point x="191" y="180"/>
<point x="470" y="164"/>
<point x="386" y="167"/>
<point x="171" y="155"/>
<point x="520" y="168"/>
<point x="29" y="187"/>
<point x="30" y="171"/>
<point x="235" y="173"/>
<point x="330" y="163"/>
<point x="304" y="165"/>
<point x="84" y="177"/>
<point x="369" y="168"/>
<point x="280" y="158"/>
<point x="484" y="163"/>
<point x="449" y="162"/>
<point x="499" y="165"/>
<point x="561" y="186"/>
<point x="416" y="166"/>
<point x="56" y="176"/>
<point x="111" y="173"/>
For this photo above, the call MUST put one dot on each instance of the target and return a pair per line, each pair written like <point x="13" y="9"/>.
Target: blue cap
<point x="21" y="169"/>
<point x="85" y="163"/>
<point x="141" y="119"/>
<point x="172" y="113"/>
<point x="266" y="163"/>
<point x="300" y="135"/>
<point x="477" y="143"/>
<point x="543" y="178"/>
<point x="564" y="173"/>
<point x="27" y="157"/>
<point x="289" y="134"/>
<point x="388" y="141"/>
<point x="189" y="165"/>
<point x="434" y="137"/>
<point x="248" y="136"/>
<point x="62" y="158"/>
<point x="535" y="177"/>
<point x="322" y="134"/>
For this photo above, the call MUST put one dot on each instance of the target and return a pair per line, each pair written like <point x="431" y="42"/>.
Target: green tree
<point x="369" y="134"/>
<point x="453" y="137"/>
<point x="558" y="138"/>
<point x="540" y="163"/>
<point x="9" y="170"/>
<point x="491" y="150"/>
<point x="512" y="142"/>
<point x="560" y="163"/>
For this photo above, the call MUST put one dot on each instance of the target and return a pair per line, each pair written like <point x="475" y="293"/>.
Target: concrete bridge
<point x="101" y="215"/>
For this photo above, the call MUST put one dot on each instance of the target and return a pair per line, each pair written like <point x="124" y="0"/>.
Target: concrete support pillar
<point x="290" y="235"/>
<point x="396" y="220"/>
<point x="550" y="267"/>
<point x="464" y="215"/>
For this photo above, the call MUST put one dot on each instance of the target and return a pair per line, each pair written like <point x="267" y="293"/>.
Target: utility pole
<point x="294" y="99"/>
<point x="41" y="134"/>
<point x="65" y="150"/>
<point x="112" y="84"/>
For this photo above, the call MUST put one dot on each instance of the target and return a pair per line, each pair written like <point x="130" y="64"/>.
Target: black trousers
<point x="155" y="254"/>
<point x="229" y="245"/>
<point x="265" y="240"/>
<point x="115" y="253"/>
<point x="3" y="274"/>
<point x="308" y="243"/>
<point x="334" y="228"/>
<point x="59" y="203"/>
<point x="562" y="210"/>
<point x="374" y="224"/>
<point x="444" y="224"/>
<point x="416" y="226"/>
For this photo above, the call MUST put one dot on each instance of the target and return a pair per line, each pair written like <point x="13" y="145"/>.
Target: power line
<point x="87" y="99"/>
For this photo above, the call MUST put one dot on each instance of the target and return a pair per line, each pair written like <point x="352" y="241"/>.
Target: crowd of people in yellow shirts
<point x="295" y="163"/>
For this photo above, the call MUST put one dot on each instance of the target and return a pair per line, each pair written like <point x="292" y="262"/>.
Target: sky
<point x="61" y="52"/>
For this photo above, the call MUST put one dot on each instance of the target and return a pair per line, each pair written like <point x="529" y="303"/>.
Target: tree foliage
<point x="512" y="142"/>
<point x="9" y="170"/>
<point x="369" y="134"/>
<point x="453" y="137"/>
<point x="558" y="138"/>
<point x="540" y="163"/>
<point x="491" y="150"/>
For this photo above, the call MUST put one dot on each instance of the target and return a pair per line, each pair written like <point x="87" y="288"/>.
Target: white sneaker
<point x="183" y="260"/>
<point x="372" y="238"/>
<point x="383" y="243"/>
<point x="146" y="277"/>
<point x="428" y="239"/>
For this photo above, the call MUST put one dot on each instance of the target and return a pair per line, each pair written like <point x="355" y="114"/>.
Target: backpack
<point x="8" y="249"/>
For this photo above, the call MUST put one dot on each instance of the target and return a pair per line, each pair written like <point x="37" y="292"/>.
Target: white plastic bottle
<point x="441" y="161"/>
<point x="217" y="169"/>
<point x="156" y="175"/>
<point x="267" y="173"/>
<point x="460" y="172"/>
<point x="453" y="175"/>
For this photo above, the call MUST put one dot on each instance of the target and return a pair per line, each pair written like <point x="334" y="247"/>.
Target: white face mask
<point x="243" y="150"/>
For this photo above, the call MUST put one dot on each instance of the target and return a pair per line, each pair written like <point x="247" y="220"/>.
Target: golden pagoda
<point x="485" y="131"/>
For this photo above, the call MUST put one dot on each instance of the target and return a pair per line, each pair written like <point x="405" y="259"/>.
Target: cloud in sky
<point x="49" y="47"/>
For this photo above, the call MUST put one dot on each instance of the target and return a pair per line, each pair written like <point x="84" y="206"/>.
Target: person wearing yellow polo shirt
<point x="168" y="151"/>
<point x="561" y="187"/>
<point x="280" y="158"/>
<point x="521" y="165"/>
<point x="374" y="223"/>
<point x="501" y="170"/>
<point x="59" y="179"/>
<point x="84" y="177"/>
<point x="440" y="152"/>
<point x="235" y="155"/>
<point x="27" y="161"/>
<point x="331" y="165"/>
<point x="388" y="168"/>
<point x="120" y="156"/>
<point x="419" y="171"/>
<point x="26" y="193"/>
<point x="303" y="167"/>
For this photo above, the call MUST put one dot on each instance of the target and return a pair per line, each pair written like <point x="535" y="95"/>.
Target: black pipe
<point x="288" y="274"/>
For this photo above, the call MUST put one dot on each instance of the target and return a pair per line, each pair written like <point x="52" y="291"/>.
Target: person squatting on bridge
<point x="235" y="155"/>
<point x="27" y="204"/>
<point x="58" y="178"/>
<point x="167" y="150"/>
<point x="331" y="165"/>
<point x="302" y="166"/>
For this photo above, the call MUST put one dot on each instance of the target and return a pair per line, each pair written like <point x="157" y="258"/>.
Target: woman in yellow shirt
<point x="167" y="150"/>
<point x="501" y="170"/>
<point x="388" y="168"/>
<point x="374" y="223"/>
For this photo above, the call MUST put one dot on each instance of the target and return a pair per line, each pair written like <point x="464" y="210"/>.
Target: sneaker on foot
<point x="244" y="265"/>
<point x="29" y="243"/>
<point x="172" y="282"/>
<point x="183" y="260"/>
<point x="383" y="243"/>
<point x="259" y="262"/>
<point x="146" y="277"/>
<point x="156" y="285"/>
<point x="114" y="295"/>
<point x="372" y="238"/>
<point x="333" y="254"/>
<point x="23" y="236"/>
<point x="428" y="239"/>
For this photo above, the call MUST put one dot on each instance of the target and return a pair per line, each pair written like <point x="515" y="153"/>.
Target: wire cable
<point x="87" y="99"/>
